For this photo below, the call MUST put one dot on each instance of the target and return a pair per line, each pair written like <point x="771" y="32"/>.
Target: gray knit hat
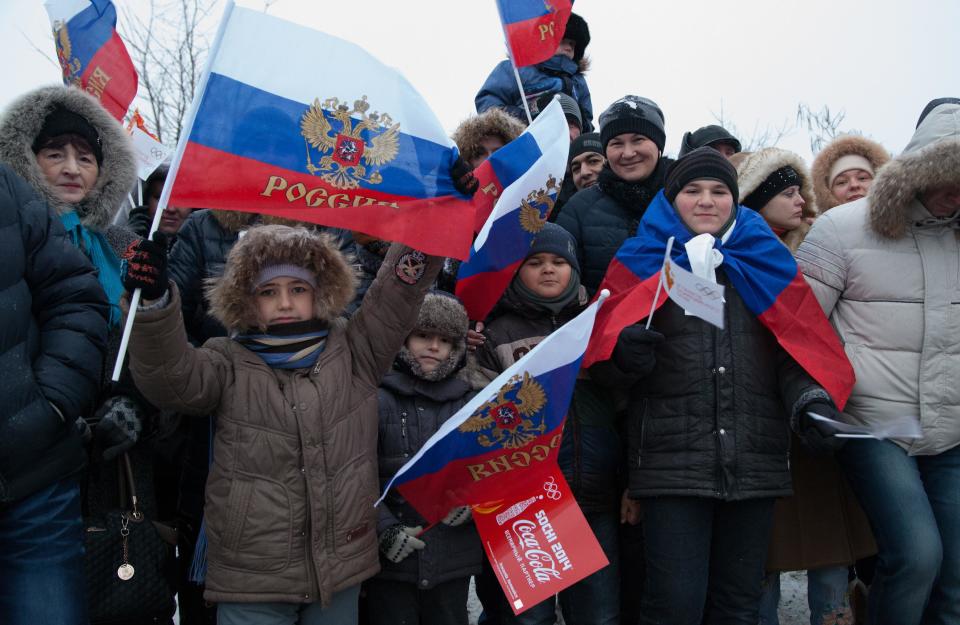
<point x="633" y="113"/>
<point x="441" y="313"/>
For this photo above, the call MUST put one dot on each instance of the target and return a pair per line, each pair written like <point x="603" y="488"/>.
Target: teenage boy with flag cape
<point x="711" y="409"/>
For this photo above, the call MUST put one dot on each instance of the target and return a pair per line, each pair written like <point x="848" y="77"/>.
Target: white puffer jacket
<point x="887" y="274"/>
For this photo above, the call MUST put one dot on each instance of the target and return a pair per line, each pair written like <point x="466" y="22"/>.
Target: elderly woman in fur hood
<point x="77" y="156"/>
<point x="291" y="526"/>
<point x="563" y="72"/>
<point x="885" y="269"/>
<point x="820" y="528"/>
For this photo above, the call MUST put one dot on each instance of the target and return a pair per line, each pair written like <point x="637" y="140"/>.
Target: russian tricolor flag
<point x="302" y="125"/>
<point x="91" y="53"/>
<point x="533" y="28"/>
<point x="534" y="163"/>
<point x="505" y="436"/>
<point x="762" y="271"/>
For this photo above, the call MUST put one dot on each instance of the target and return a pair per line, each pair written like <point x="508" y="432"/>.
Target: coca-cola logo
<point x="541" y="562"/>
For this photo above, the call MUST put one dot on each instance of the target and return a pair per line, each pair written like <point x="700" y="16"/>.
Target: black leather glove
<point x="818" y="436"/>
<point x="145" y="267"/>
<point x="635" y="351"/>
<point x="463" y="179"/>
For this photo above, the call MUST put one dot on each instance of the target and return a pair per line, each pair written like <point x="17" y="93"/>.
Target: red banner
<point x="539" y="544"/>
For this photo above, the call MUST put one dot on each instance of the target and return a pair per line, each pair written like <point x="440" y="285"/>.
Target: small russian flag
<point x="533" y="28"/>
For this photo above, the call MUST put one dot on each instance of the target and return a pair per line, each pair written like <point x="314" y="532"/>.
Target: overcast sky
<point x="878" y="61"/>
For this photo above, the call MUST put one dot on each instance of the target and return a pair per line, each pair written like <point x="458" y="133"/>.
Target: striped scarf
<point x="288" y="345"/>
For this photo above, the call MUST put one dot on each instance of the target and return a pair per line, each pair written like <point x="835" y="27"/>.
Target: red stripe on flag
<point x="487" y="193"/>
<point x="481" y="292"/>
<point x="210" y="178"/>
<point x="629" y="302"/>
<point x="536" y="40"/>
<point x="111" y="78"/>
<point x="798" y="322"/>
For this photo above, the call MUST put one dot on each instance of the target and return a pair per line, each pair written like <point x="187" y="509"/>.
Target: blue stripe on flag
<point x="515" y="159"/>
<point x="251" y="123"/>
<point x="514" y="11"/>
<point x="90" y="29"/>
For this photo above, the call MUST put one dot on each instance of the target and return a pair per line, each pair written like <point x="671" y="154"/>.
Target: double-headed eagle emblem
<point x="508" y="420"/>
<point x="352" y="149"/>
<point x="69" y="64"/>
<point x="536" y="208"/>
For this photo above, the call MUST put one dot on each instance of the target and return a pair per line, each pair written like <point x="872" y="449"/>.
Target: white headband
<point x="848" y="162"/>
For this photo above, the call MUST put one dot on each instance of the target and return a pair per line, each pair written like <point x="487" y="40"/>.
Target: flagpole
<point x="171" y="176"/>
<point x="516" y="72"/>
<point x="656" y="298"/>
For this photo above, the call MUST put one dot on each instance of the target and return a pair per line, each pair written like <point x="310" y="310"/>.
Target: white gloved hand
<point x="399" y="541"/>
<point x="457" y="516"/>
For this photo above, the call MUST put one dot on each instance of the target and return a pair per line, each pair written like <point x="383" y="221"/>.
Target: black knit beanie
<point x="633" y="114"/>
<point x="708" y="135"/>
<point x="589" y="142"/>
<point x="702" y="163"/>
<point x="555" y="240"/>
<point x="775" y="183"/>
<point x="61" y="121"/>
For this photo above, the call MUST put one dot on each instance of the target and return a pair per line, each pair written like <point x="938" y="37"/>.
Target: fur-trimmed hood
<point x="231" y="296"/>
<point x="931" y="159"/>
<point x="493" y="122"/>
<point x="842" y="146"/>
<point x="20" y="126"/>
<point x="755" y="168"/>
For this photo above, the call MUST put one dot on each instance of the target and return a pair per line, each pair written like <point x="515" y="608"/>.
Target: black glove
<point x="463" y="179"/>
<point x="635" y="351"/>
<point x="145" y="266"/>
<point x="818" y="436"/>
<point x="119" y="426"/>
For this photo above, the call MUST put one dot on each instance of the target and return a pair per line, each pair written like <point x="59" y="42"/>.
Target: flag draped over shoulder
<point x="520" y="213"/>
<point x="302" y="125"/>
<point x="762" y="272"/>
<point x="91" y="53"/>
<point x="504" y="439"/>
<point x="533" y="28"/>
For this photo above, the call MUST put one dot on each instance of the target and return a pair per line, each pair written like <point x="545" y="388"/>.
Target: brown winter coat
<point x="289" y="501"/>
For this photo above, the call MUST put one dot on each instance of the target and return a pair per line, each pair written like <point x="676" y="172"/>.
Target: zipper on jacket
<point x="643" y="430"/>
<point x="403" y="432"/>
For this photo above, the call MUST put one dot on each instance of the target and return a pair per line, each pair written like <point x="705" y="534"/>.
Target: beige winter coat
<point x="888" y="275"/>
<point x="289" y="501"/>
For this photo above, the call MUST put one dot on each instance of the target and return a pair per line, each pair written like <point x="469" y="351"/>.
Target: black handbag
<point x="128" y="561"/>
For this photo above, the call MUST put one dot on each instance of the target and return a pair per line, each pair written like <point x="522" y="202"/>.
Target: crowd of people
<point x="280" y="373"/>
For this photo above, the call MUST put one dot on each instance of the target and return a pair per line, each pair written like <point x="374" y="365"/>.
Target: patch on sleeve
<point x="410" y="267"/>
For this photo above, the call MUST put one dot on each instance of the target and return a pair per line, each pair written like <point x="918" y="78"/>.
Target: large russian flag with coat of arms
<point x="507" y="436"/>
<point x="299" y="124"/>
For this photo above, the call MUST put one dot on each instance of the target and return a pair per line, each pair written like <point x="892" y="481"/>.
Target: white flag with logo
<point x="697" y="296"/>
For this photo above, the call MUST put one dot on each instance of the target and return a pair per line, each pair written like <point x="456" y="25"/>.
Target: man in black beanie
<point x="585" y="160"/>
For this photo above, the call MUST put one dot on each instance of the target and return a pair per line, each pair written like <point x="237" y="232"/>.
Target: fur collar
<point x="21" y="124"/>
<point x="756" y="167"/>
<point x="931" y="159"/>
<point x="842" y="146"/>
<point x="230" y="296"/>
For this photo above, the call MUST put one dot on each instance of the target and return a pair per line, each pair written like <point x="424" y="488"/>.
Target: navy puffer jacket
<point x="53" y="332"/>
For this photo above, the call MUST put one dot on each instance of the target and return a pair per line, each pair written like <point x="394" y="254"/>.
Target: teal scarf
<point x="98" y="250"/>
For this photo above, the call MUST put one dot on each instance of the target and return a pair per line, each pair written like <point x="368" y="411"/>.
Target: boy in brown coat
<point x="289" y="503"/>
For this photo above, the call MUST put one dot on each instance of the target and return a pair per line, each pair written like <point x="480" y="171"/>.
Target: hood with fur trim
<point x="20" y="126"/>
<point x="931" y="159"/>
<point x="231" y="298"/>
<point x="842" y="146"/>
<point x="492" y="122"/>
<point x="755" y="168"/>
<point x="443" y="314"/>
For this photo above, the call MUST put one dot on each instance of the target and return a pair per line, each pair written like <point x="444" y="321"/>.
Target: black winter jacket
<point x="713" y="417"/>
<point x="591" y="455"/>
<point x="603" y="216"/>
<point x="53" y="333"/>
<point x="411" y="410"/>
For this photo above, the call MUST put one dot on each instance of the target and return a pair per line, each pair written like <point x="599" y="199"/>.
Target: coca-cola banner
<point x="538" y="544"/>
